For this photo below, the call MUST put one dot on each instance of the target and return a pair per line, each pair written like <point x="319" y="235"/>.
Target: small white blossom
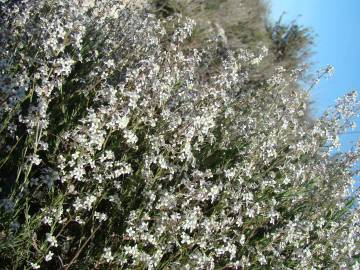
<point x="100" y="216"/>
<point x="49" y="256"/>
<point x="52" y="240"/>
<point x="107" y="255"/>
<point x="130" y="137"/>
<point x="35" y="159"/>
<point x="35" y="266"/>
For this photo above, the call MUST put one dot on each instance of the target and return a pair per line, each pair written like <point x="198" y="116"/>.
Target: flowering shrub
<point x="121" y="148"/>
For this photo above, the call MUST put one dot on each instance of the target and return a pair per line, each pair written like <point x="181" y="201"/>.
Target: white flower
<point x="34" y="266"/>
<point x="162" y="162"/>
<point x="49" y="256"/>
<point x="191" y="221"/>
<point x="35" y="159"/>
<point x="79" y="220"/>
<point x="230" y="173"/>
<point x="89" y="3"/>
<point x="107" y="255"/>
<point x="242" y="239"/>
<point x="185" y="239"/>
<point x="52" y="240"/>
<point x="214" y="192"/>
<point x="48" y="220"/>
<point x="125" y="168"/>
<point x="262" y="259"/>
<point x="130" y="137"/>
<point x="132" y="251"/>
<point x="330" y="70"/>
<point x="100" y="216"/>
<point x="110" y="63"/>
<point x="130" y="232"/>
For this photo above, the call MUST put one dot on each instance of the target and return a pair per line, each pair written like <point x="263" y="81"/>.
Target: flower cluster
<point x="127" y="149"/>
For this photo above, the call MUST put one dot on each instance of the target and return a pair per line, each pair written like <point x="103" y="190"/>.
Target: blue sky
<point x="336" y="24"/>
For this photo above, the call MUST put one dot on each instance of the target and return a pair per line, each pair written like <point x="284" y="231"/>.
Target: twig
<point x="81" y="248"/>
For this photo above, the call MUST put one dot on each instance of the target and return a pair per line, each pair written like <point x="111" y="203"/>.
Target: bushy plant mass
<point x="124" y="147"/>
